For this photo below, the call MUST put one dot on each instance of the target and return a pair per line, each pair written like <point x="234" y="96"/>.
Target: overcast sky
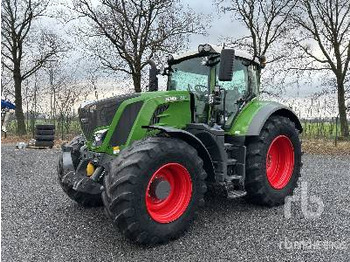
<point x="221" y="26"/>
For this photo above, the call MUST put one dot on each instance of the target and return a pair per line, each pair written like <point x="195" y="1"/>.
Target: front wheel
<point x="273" y="162"/>
<point x="154" y="188"/>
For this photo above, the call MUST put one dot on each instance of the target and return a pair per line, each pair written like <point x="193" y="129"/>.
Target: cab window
<point x="236" y="89"/>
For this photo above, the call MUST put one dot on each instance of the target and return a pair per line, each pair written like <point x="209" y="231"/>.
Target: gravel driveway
<point x="40" y="223"/>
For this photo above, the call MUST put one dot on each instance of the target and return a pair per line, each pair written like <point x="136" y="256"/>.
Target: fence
<point x="319" y="128"/>
<point x="63" y="132"/>
<point x="316" y="128"/>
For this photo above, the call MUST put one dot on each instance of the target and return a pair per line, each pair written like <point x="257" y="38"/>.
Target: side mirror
<point x="153" y="79"/>
<point x="226" y="64"/>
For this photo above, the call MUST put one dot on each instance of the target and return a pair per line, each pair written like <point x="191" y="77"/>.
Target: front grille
<point x="100" y="113"/>
<point x="125" y="123"/>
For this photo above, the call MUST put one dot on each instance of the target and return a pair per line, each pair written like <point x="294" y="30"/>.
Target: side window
<point x="235" y="89"/>
<point x="239" y="81"/>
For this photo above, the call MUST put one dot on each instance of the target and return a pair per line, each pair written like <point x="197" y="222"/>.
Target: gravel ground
<point x="39" y="223"/>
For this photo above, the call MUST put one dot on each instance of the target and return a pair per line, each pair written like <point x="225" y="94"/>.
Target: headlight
<point x="99" y="136"/>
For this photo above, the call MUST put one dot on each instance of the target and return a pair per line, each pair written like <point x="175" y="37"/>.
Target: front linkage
<point x="80" y="185"/>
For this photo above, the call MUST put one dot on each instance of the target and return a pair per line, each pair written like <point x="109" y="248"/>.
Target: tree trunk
<point x="21" y="127"/>
<point x="344" y="126"/>
<point x="137" y="82"/>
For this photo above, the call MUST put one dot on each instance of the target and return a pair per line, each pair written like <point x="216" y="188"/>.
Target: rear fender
<point x="266" y="112"/>
<point x="254" y="115"/>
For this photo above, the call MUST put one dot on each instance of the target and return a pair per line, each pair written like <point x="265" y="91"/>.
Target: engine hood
<point x="100" y="113"/>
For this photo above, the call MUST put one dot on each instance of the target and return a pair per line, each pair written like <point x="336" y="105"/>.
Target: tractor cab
<point x="218" y="99"/>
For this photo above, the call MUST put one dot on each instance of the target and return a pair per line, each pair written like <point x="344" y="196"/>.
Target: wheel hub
<point x="168" y="193"/>
<point x="160" y="188"/>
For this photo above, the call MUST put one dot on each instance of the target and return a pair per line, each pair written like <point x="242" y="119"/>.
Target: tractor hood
<point x="118" y="121"/>
<point x="100" y="113"/>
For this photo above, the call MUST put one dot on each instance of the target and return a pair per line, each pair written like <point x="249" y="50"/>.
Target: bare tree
<point x="266" y="21"/>
<point x="17" y="17"/>
<point x="6" y="82"/>
<point x="68" y="94"/>
<point x="136" y="31"/>
<point x="267" y="24"/>
<point x="325" y="25"/>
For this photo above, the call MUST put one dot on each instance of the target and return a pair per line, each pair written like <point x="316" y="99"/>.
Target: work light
<point x="200" y="48"/>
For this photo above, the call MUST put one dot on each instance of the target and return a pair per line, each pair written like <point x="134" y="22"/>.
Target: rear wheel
<point x="273" y="162"/>
<point x="154" y="188"/>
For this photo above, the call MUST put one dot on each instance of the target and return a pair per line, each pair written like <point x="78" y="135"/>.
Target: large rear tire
<point x="154" y="188"/>
<point x="84" y="199"/>
<point x="273" y="162"/>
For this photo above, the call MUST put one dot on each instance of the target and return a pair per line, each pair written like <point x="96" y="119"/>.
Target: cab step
<point x="236" y="194"/>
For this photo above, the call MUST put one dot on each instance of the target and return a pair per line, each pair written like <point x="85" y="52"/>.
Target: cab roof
<point x="217" y="49"/>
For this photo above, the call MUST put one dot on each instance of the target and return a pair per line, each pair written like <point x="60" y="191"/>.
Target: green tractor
<point x="150" y="157"/>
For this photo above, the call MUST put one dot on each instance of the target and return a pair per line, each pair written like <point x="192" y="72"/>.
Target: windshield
<point x="193" y="75"/>
<point x="189" y="75"/>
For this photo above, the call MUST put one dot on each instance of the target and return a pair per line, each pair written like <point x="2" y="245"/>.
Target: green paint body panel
<point x="244" y="119"/>
<point x="177" y="115"/>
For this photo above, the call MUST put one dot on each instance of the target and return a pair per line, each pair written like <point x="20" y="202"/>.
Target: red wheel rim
<point x="171" y="207"/>
<point x="280" y="162"/>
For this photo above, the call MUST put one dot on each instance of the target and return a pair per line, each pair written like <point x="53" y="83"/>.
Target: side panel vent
<point x="160" y="110"/>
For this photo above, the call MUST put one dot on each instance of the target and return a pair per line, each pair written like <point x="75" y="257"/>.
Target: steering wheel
<point x="200" y="91"/>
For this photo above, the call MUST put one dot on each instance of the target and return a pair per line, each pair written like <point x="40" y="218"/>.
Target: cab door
<point x="243" y="84"/>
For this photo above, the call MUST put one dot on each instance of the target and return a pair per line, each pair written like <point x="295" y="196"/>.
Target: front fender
<point x="191" y="140"/>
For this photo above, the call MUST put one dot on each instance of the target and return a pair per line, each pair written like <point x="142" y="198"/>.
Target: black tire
<point x="45" y="132"/>
<point x="126" y="185"/>
<point x="45" y="127"/>
<point x="44" y="144"/>
<point x="45" y="137"/>
<point x="84" y="199"/>
<point x="259" y="189"/>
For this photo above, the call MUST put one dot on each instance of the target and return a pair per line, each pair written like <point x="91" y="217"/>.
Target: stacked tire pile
<point x="44" y="135"/>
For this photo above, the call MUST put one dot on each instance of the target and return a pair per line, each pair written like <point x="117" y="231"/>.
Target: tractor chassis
<point x="224" y="161"/>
